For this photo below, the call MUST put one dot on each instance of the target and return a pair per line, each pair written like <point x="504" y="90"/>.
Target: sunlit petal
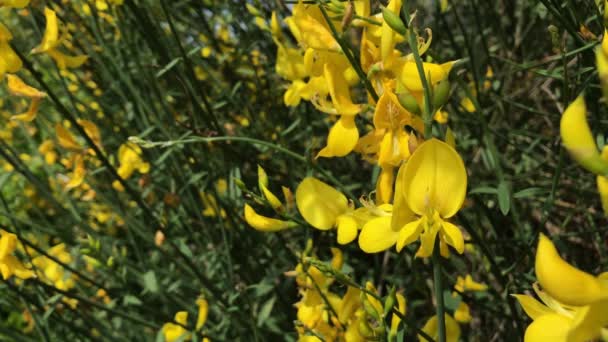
<point x="319" y="203"/>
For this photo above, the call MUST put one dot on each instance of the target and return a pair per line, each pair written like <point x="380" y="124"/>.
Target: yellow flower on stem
<point x="130" y="159"/>
<point x="324" y="207"/>
<point x="172" y="331"/>
<point x="51" y="41"/>
<point x="14" y="3"/>
<point x="9" y="264"/>
<point x="575" y="305"/>
<point x="434" y="183"/>
<point x="578" y="140"/>
<point x="9" y="60"/>
<point x="17" y="87"/>
<point x="264" y="223"/>
<point x="203" y="311"/>
<point x="451" y="326"/>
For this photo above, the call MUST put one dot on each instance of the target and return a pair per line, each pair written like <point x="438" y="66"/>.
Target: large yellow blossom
<point x="575" y="305"/>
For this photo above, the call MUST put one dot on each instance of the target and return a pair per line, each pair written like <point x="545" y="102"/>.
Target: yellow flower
<point x="434" y="74"/>
<point x="129" y="157"/>
<point x="273" y="200"/>
<point x="575" y="303"/>
<point x="9" y="264"/>
<point x="17" y="87"/>
<point x="172" y="332"/>
<point x="203" y="310"/>
<point x="324" y="207"/>
<point x="468" y="284"/>
<point x="451" y="326"/>
<point x="9" y="60"/>
<point x="434" y="183"/>
<point x="14" y="3"/>
<point x="310" y="29"/>
<point x="462" y="313"/>
<point x="263" y="223"/>
<point x="51" y="41"/>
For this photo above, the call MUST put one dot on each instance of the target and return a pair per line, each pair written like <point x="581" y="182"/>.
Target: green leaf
<point x="150" y="282"/>
<point x="130" y="300"/>
<point x="504" y="197"/>
<point x="451" y="302"/>
<point x="266" y="310"/>
<point x="529" y="192"/>
<point x="483" y="190"/>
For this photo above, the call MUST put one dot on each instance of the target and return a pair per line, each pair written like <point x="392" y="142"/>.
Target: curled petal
<point x="588" y="322"/>
<point x="263" y="223"/>
<point x="347" y="229"/>
<point x="577" y="137"/>
<point x="410" y="233"/>
<point x="384" y="185"/>
<point x="319" y="203"/>
<point x="342" y="138"/>
<point x="65" y="61"/>
<point x="402" y="214"/>
<point x="451" y="326"/>
<point x="17" y="87"/>
<point x="434" y="73"/>
<point x="563" y="281"/>
<point x="552" y="327"/>
<point x="51" y="33"/>
<point x="340" y="92"/>
<point x="434" y="179"/>
<point x="203" y="310"/>
<point x="453" y="236"/>
<point x="377" y="235"/>
<point x="531" y="306"/>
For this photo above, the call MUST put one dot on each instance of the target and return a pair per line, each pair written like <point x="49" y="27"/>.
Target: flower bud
<point x="408" y="101"/>
<point x="441" y="92"/>
<point x="393" y="20"/>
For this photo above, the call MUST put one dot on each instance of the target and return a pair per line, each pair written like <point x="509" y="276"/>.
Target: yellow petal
<point x="395" y="320"/>
<point x="602" y="184"/>
<point x="552" y="327"/>
<point x="17" y="87"/>
<point x="462" y="314"/>
<point x="64" y="61"/>
<point x="563" y="281"/>
<point x="377" y="235"/>
<point x="402" y="214"/>
<point x="8" y="242"/>
<point x="453" y="236"/>
<point x="66" y="140"/>
<point x="263" y="223"/>
<point x="410" y="233"/>
<point x="203" y="310"/>
<point x="435" y="179"/>
<point x="589" y="321"/>
<point x="14" y="3"/>
<point x="347" y="229"/>
<point x="532" y="307"/>
<point x="451" y="326"/>
<point x="337" y="259"/>
<point x="434" y="73"/>
<point x="387" y="41"/>
<point x="16" y="267"/>
<point x="342" y="138"/>
<point x="30" y="115"/>
<point x="384" y="185"/>
<point x="340" y="92"/>
<point x="9" y="60"/>
<point x="51" y="33"/>
<point x="577" y="138"/>
<point x="320" y="204"/>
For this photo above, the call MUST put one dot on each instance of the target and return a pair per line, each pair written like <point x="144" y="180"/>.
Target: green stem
<point x="437" y="279"/>
<point x="427" y="114"/>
